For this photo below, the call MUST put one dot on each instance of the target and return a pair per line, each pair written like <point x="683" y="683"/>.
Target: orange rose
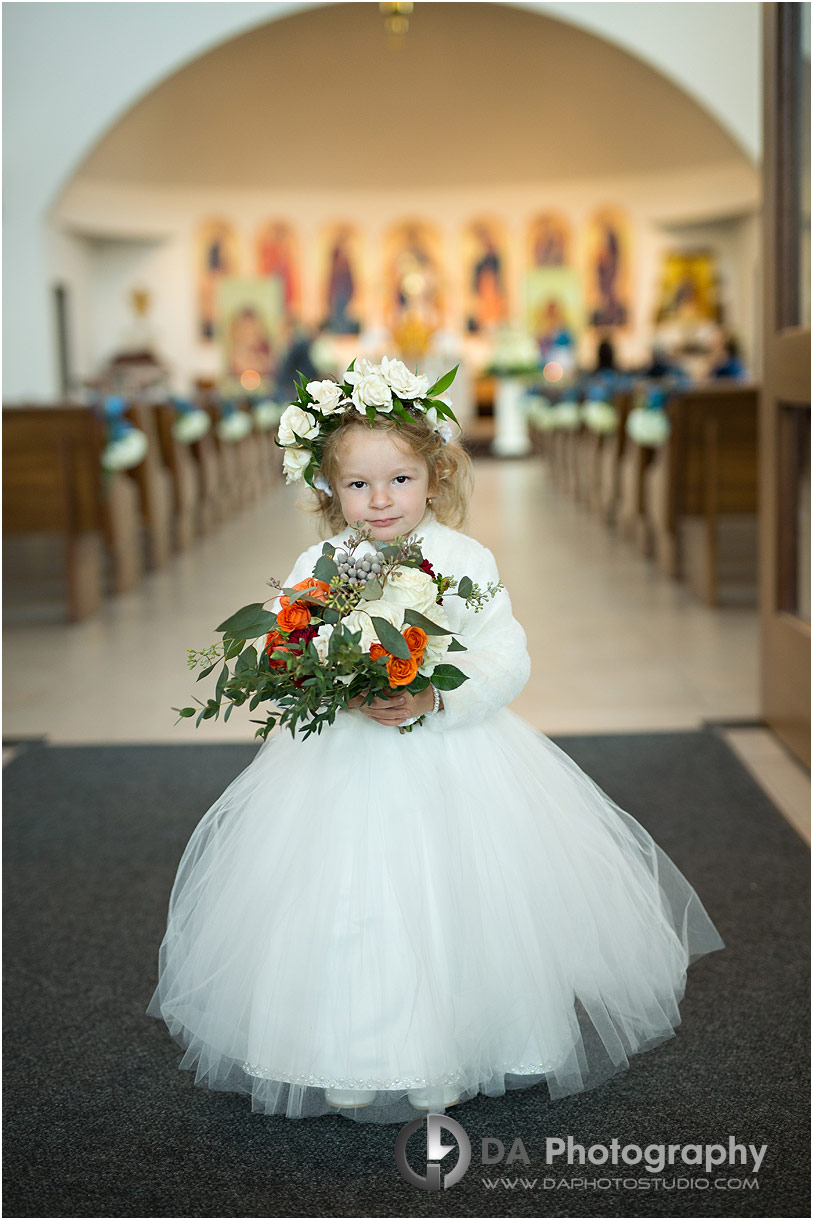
<point x="401" y="672"/>
<point x="377" y="650"/>
<point x="273" y="642"/>
<point x="416" y="642"/>
<point x="316" y="588"/>
<point x="292" y="616"/>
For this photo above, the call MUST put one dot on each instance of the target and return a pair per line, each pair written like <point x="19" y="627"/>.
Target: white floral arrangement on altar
<point x="388" y="388"/>
<point x="648" y="426"/>
<point x="600" y="417"/>
<point x="515" y="354"/>
<point x="567" y="416"/>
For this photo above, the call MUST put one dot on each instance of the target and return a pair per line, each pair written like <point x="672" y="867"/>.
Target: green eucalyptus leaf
<point x="373" y="589"/>
<point x="447" y="677"/>
<point x="390" y="637"/>
<point x="223" y="678"/>
<point x="328" y="549"/>
<point x="415" y="619"/>
<point x="247" y="661"/>
<point x="465" y="586"/>
<point x="204" y="673"/>
<point x="233" y="625"/>
<point x="326" y="568"/>
<point x="456" y="646"/>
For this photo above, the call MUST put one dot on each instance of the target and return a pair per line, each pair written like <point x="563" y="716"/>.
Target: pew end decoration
<point x="234" y="425"/>
<point x="126" y="445"/>
<point x="600" y="417"/>
<point x="648" y="424"/>
<point x="266" y="415"/>
<point x="191" y="422"/>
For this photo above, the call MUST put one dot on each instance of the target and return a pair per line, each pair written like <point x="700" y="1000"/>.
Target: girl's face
<point x="381" y="483"/>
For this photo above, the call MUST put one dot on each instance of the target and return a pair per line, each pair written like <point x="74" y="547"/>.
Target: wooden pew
<point x="154" y="489"/>
<point x="612" y="451"/>
<point x="630" y="517"/>
<point x="701" y="496"/>
<point x="55" y="491"/>
<point x="270" y="458"/>
<point x="184" y="473"/>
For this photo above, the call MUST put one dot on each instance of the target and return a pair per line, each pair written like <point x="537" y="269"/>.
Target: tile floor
<point x="615" y="646"/>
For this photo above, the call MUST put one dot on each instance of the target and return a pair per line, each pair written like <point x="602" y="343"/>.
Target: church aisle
<point x="615" y="646"/>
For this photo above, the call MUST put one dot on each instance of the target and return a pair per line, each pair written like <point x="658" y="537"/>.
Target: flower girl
<point x="374" y="923"/>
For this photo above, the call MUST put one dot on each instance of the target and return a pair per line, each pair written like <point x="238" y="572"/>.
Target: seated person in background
<point x="660" y="365"/>
<point x="606" y="358"/>
<point x="729" y="362"/>
<point x="297" y="359"/>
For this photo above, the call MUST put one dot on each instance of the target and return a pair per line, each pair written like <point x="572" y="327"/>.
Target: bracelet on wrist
<point x="435" y="700"/>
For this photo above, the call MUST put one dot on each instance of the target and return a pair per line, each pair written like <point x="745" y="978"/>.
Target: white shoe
<point x="425" y="1099"/>
<point x="347" y="1098"/>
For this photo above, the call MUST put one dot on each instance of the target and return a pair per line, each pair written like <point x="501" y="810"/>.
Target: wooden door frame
<point x="784" y="637"/>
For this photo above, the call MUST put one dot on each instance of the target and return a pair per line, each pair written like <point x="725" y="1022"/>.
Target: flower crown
<point x="387" y="389"/>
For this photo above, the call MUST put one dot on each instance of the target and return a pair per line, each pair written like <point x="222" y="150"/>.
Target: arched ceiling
<point x="478" y="94"/>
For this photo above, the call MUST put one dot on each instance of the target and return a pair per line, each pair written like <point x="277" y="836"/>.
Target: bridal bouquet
<point x="369" y="621"/>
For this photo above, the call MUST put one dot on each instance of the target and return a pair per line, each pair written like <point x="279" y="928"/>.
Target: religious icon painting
<point x="413" y="282"/>
<point x="484" y="270"/>
<point x="608" y="268"/>
<point x="217" y="255"/>
<point x="689" y="288"/>
<point x="278" y="255"/>
<point x="251" y="330"/>
<point x="554" y="304"/>
<point x="340" y="279"/>
<point x="550" y="241"/>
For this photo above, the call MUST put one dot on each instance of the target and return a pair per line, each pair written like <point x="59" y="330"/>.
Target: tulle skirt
<point x="373" y="910"/>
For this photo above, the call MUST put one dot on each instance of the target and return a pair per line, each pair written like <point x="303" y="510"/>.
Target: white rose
<point x="410" y="587"/>
<point x="434" y="654"/>
<point x="372" y="391"/>
<point x="403" y="383"/>
<point x="294" y="461"/>
<point x="321" y="641"/>
<point x="436" y="648"/>
<point x="326" y="394"/>
<point x="295" y="420"/>
<point x="362" y="367"/>
<point x="360" y="620"/>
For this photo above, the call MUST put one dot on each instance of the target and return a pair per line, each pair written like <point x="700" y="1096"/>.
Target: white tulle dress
<point x="460" y="906"/>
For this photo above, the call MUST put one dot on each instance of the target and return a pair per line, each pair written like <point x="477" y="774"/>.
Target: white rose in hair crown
<point x="370" y="620"/>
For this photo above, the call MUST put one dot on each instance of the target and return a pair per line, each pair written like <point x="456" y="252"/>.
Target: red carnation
<point x="302" y="635"/>
<point x="427" y="567"/>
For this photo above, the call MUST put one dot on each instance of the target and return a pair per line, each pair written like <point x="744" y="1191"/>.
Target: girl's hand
<point x="396" y="710"/>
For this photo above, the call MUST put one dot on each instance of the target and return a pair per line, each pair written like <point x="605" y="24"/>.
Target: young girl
<point x="376" y="923"/>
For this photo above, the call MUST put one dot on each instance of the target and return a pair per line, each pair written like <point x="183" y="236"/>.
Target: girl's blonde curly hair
<point x="451" y="474"/>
